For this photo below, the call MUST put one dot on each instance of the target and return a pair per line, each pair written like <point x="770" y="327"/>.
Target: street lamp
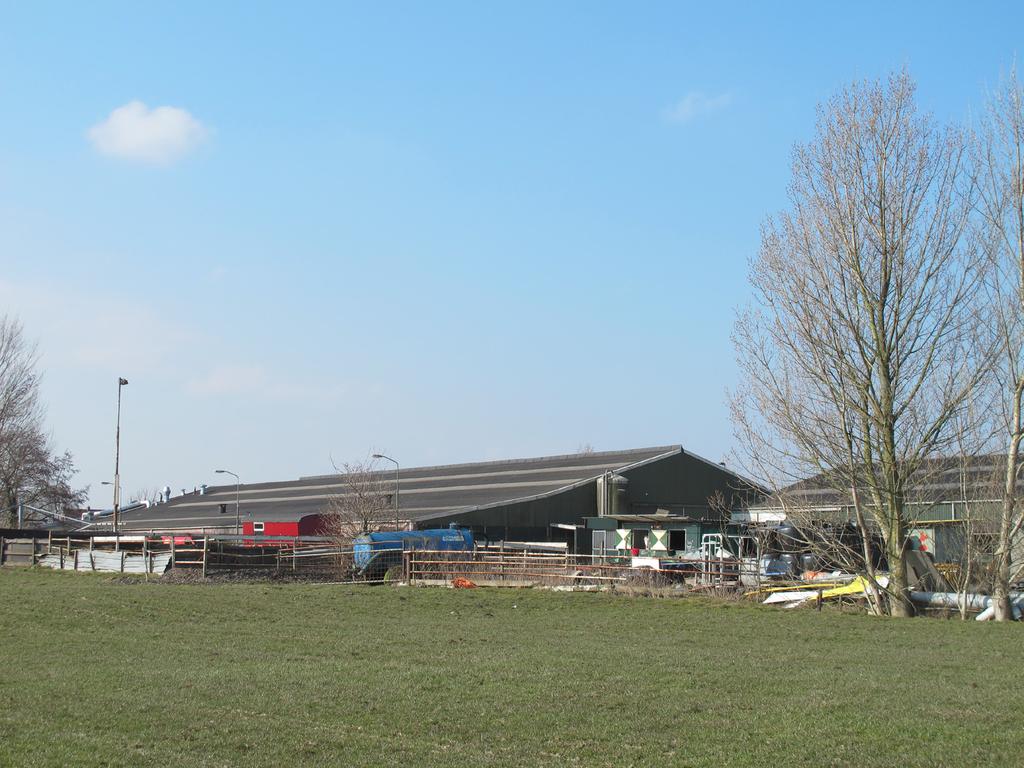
<point x="238" y="523"/>
<point x="121" y="381"/>
<point x="388" y="458"/>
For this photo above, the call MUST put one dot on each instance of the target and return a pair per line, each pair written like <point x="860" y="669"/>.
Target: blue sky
<point x="447" y="231"/>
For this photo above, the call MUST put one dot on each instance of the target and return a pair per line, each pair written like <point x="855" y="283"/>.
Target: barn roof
<point x="932" y="481"/>
<point x="425" y="492"/>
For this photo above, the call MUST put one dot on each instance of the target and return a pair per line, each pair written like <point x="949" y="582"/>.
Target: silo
<point x="611" y="495"/>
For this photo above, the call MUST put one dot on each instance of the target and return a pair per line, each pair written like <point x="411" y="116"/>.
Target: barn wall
<point x="683" y="485"/>
<point x="680" y="484"/>
<point x="526" y="520"/>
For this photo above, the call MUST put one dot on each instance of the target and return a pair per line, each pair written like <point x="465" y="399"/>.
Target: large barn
<point x="541" y="499"/>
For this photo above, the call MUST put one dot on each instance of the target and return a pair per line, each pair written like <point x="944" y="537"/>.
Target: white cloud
<point x="697" y="104"/>
<point x="160" y="135"/>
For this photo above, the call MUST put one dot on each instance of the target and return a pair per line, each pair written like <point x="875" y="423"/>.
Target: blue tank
<point x="378" y="551"/>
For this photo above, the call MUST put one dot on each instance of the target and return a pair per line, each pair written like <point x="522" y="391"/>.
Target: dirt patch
<point x="195" y="576"/>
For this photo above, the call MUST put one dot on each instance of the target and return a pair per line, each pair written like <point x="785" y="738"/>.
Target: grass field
<point x="95" y="672"/>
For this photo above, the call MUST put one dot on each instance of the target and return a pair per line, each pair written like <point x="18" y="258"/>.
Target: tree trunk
<point x="899" y="595"/>
<point x="1004" y="551"/>
<point x="1001" y="592"/>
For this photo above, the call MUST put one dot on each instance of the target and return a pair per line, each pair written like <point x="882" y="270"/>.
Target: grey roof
<point x="425" y="492"/>
<point x="932" y="481"/>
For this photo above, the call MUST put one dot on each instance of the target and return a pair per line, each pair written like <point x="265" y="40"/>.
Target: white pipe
<point x="973" y="602"/>
<point x="989" y="612"/>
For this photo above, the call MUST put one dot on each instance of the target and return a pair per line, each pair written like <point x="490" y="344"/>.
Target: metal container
<point x="790" y="538"/>
<point x="378" y="550"/>
<point x="791" y="563"/>
<point x="611" y="495"/>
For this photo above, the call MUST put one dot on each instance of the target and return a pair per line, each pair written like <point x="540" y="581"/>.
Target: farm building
<point x="564" y="498"/>
<point x="949" y="503"/>
<point x="941" y="489"/>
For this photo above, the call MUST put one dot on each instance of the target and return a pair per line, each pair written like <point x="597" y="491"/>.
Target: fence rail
<point x="542" y="567"/>
<point x="124" y="552"/>
<point x="316" y="556"/>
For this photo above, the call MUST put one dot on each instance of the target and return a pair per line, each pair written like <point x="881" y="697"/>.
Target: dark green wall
<point x="684" y="485"/>
<point x="679" y="483"/>
<point x="529" y="519"/>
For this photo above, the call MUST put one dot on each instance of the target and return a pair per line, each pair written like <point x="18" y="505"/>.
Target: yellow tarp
<point x="794" y="587"/>
<point x="856" y="587"/>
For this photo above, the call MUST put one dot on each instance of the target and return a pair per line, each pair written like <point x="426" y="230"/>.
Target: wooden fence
<point x="317" y="556"/>
<point x="148" y="553"/>
<point x="22" y="551"/>
<point x="512" y="568"/>
<point x="281" y="555"/>
<point x="523" y="567"/>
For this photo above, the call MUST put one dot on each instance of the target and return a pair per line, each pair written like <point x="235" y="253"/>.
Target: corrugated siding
<point x="111" y="562"/>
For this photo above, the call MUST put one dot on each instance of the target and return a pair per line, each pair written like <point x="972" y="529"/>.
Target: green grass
<point x="94" y="672"/>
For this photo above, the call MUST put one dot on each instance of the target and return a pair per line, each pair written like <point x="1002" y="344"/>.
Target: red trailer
<point x="307" y="525"/>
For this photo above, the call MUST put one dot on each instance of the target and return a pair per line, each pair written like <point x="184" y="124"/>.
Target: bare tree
<point x="364" y="505"/>
<point x="976" y="481"/>
<point x="999" y="160"/>
<point x="858" y="349"/>
<point x="30" y="473"/>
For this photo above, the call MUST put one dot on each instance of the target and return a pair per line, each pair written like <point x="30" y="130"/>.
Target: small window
<point x="677" y="541"/>
<point x="639" y="538"/>
<point x="257" y="527"/>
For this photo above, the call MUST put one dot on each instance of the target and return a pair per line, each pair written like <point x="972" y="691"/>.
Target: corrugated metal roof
<point x="932" y="481"/>
<point x="425" y="491"/>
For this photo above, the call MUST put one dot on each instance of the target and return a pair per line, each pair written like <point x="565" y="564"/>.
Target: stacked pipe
<point x="973" y="602"/>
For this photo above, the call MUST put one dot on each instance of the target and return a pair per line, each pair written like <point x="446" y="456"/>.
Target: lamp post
<point x="388" y="458"/>
<point x="121" y="381"/>
<point x="238" y="519"/>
